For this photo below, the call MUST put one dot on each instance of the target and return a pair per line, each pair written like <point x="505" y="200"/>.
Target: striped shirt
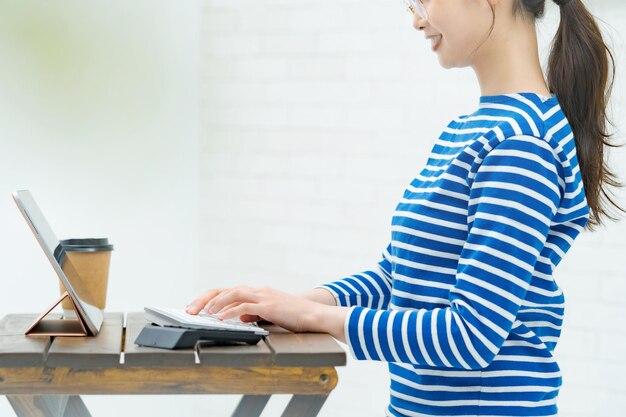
<point x="463" y="305"/>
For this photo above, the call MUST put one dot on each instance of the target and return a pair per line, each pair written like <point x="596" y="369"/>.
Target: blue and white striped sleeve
<point x="513" y="197"/>
<point x="370" y="289"/>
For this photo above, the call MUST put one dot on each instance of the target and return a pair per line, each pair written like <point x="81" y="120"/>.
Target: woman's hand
<point x="291" y="312"/>
<point x="201" y="303"/>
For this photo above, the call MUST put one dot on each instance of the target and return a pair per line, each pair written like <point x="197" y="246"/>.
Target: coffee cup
<point x="85" y="263"/>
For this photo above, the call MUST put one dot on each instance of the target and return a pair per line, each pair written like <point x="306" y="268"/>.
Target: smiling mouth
<point x="435" y="41"/>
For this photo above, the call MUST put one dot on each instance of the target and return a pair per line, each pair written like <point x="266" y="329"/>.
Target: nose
<point x="419" y="23"/>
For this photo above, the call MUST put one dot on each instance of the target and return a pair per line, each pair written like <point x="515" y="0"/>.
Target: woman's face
<point x="456" y="30"/>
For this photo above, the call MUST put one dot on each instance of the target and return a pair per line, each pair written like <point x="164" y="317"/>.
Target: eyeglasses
<point x="416" y="7"/>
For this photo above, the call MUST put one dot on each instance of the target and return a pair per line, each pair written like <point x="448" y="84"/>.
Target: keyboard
<point x="180" y="318"/>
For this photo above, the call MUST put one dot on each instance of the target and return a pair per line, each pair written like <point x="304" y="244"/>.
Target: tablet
<point x="89" y="317"/>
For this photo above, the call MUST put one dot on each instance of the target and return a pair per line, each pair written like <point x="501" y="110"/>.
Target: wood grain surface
<point x="100" y="351"/>
<point x="17" y="350"/>
<point x="167" y="380"/>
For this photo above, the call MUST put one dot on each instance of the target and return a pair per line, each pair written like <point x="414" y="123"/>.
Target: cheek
<point x="453" y="46"/>
<point x="463" y="30"/>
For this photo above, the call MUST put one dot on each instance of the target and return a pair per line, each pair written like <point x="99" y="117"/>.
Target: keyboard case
<point x="166" y="337"/>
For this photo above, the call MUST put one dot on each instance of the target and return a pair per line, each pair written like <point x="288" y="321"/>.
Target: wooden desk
<point x="45" y="376"/>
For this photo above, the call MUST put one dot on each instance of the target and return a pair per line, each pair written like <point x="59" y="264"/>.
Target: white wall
<point x="314" y="116"/>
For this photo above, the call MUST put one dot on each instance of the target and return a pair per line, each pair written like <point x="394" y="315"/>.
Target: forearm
<point x="319" y="295"/>
<point x="328" y="319"/>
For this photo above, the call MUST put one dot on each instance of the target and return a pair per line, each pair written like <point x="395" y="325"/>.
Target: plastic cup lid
<point x="87" y="245"/>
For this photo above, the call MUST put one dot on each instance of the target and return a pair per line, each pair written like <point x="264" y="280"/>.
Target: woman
<point x="462" y="304"/>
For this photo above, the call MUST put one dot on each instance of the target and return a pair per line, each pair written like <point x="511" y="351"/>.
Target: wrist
<point x="328" y="319"/>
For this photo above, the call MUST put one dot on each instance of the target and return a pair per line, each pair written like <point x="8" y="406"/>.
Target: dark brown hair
<point x="581" y="69"/>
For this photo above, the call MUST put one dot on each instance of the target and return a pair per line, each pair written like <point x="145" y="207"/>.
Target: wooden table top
<point x="114" y="347"/>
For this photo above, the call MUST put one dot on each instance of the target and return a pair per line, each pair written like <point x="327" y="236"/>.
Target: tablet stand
<point x="59" y="327"/>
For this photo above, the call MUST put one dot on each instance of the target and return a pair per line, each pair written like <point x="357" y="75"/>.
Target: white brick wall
<point x="315" y="116"/>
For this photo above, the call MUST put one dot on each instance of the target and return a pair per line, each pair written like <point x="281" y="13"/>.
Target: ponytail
<point x="580" y="71"/>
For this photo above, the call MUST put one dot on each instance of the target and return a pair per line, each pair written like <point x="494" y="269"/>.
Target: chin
<point x="445" y="63"/>
<point x="449" y="62"/>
